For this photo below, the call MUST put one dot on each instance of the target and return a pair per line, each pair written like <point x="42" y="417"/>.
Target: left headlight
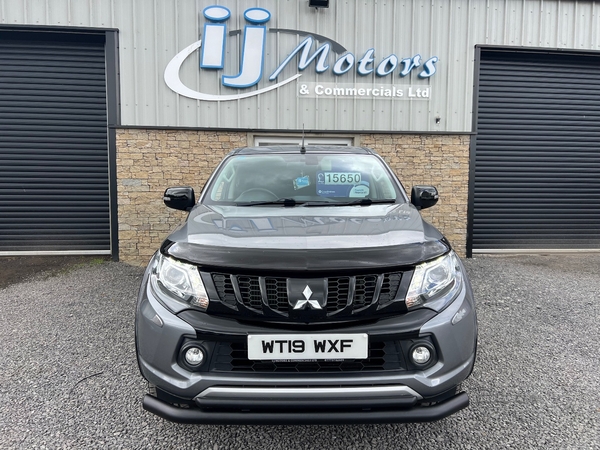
<point x="435" y="284"/>
<point x="178" y="284"/>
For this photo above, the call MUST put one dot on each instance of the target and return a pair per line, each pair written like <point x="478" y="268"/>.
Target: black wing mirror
<point x="424" y="196"/>
<point x="181" y="198"/>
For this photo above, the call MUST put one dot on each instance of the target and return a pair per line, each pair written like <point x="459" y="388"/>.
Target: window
<point x="263" y="141"/>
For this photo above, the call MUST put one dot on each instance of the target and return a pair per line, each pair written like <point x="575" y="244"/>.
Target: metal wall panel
<point x="54" y="183"/>
<point x="152" y="32"/>
<point x="537" y="157"/>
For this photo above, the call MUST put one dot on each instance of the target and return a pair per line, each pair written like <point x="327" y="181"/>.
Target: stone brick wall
<point x="438" y="160"/>
<point x="149" y="161"/>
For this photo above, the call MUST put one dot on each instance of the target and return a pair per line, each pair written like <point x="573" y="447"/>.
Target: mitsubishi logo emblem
<point x="301" y="304"/>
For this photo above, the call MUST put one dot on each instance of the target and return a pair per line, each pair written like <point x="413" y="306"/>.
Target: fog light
<point x="420" y="355"/>
<point x="194" y="356"/>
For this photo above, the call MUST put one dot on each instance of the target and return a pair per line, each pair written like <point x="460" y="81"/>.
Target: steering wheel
<point x="257" y="195"/>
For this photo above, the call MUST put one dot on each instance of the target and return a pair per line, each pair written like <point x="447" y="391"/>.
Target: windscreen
<point x="302" y="178"/>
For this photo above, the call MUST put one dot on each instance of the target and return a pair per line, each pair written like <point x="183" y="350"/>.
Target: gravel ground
<point x="68" y="376"/>
<point x="16" y="269"/>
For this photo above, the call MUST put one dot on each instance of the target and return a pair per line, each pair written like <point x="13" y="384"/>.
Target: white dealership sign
<point x="362" y="91"/>
<point x="254" y="40"/>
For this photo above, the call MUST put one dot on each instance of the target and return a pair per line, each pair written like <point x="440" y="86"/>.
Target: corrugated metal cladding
<point x="537" y="157"/>
<point x="152" y="32"/>
<point x="54" y="186"/>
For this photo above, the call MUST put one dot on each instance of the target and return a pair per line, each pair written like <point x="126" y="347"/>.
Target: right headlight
<point x="177" y="284"/>
<point x="435" y="284"/>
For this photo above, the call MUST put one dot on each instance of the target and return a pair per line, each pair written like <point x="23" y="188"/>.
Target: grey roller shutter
<point x="537" y="152"/>
<point x="54" y="181"/>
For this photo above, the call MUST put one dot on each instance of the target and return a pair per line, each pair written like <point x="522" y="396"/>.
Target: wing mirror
<point x="424" y="196"/>
<point x="181" y="198"/>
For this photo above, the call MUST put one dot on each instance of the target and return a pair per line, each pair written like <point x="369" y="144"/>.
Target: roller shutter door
<point x="537" y="152"/>
<point x="54" y="181"/>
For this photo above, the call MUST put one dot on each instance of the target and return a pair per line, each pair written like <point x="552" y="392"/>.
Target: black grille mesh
<point x="232" y="357"/>
<point x="224" y="288"/>
<point x="364" y="291"/>
<point x="250" y="292"/>
<point x="389" y="288"/>
<point x="338" y="292"/>
<point x="277" y="294"/>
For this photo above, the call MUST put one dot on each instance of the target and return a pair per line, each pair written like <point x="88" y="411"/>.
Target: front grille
<point x="364" y="291"/>
<point x="345" y="296"/>
<point x="224" y="288"/>
<point x="250" y="292"/>
<point x="337" y="294"/>
<point x="389" y="288"/>
<point x="277" y="294"/>
<point x="233" y="357"/>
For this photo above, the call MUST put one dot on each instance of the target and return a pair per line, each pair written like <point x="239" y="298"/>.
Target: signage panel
<point x="333" y="62"/>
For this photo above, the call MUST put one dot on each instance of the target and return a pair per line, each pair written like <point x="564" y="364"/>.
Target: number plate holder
<point x="298" y="347"/>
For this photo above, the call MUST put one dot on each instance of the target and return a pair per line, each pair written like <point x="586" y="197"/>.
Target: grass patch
<point x="69" y="267"/>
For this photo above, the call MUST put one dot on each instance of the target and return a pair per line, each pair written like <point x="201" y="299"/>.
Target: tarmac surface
<point x="69" y="378"/>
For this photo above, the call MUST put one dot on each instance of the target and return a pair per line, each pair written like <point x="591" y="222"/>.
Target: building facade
<point x="105" y="103"/>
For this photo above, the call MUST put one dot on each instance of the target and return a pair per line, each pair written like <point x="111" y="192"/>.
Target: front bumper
<point x="351" y="397"/>
<point x="292" y="417"/>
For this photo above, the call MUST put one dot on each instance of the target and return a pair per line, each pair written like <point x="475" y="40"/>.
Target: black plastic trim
<point x="291" y="262"/>
<point x="401" y="326"/>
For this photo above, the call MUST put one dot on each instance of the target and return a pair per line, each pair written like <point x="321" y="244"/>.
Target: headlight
<point x="178" y="284"/>
<point x="435" y="284"/>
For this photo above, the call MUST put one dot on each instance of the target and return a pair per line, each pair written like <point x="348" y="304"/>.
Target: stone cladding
<point x="438" y="160"/>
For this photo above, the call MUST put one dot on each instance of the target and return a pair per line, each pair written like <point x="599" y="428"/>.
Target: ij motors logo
<point x="212" y="47"/>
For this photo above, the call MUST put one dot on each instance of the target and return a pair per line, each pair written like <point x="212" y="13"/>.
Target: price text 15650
<point x="342" y="177"/>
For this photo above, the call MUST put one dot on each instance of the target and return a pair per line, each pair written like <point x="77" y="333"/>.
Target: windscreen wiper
<point x="279" y="201"/>
<point x="359" y="202"/>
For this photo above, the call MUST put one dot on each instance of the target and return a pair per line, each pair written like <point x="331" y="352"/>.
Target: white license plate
<point x="295" y="347"/>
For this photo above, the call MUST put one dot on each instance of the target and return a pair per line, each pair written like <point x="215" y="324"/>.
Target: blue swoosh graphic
<point x="174" y="82"/>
